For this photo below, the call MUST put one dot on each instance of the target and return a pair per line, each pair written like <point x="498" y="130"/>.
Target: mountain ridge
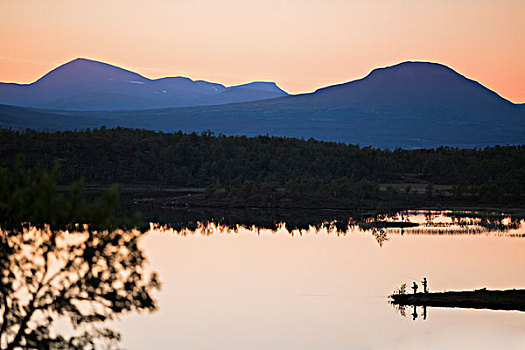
<point x="64" y="86"/>
<point x="409" y="105"/>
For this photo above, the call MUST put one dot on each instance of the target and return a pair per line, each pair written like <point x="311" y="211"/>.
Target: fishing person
<point x="425" y="284"/>
<point x="414" y="287"/>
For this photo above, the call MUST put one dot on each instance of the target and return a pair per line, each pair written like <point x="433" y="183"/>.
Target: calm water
<point x="262" y="289"/>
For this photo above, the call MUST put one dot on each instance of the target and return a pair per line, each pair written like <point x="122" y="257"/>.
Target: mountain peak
<point x="413" y="69"/>
<point x="86" y="70"/>
<point x="413" y="81"/>
<point x="83" y="60"/>
<point x="86" y="84"/>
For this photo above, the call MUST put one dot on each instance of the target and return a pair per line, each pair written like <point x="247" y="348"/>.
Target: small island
<point x="512" y="299"/>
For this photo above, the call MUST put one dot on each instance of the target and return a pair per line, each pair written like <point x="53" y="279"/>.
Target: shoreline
<point x="510" y="299"/>
<point x="196" y="198"/>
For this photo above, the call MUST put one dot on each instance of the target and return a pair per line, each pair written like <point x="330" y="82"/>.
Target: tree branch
<point x="30" y="311"/>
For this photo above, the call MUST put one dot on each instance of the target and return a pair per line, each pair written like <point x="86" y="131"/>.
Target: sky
<point x="302" y="45"/>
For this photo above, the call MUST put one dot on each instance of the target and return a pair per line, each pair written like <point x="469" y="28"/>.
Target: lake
<point x="249" y="288"/>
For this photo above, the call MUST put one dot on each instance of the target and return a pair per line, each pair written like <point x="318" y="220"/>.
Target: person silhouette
<point x="414" y="287"/>
<point x="425" y="284"/>
<point x="424" y="312"/>
<point x="414" y="314"/>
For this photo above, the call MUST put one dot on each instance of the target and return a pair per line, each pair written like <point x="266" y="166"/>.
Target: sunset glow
<point x="300" y="44"/>
<point x="262" y="174"/>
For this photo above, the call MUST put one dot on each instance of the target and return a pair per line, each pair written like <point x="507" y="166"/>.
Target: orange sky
<point x="300" y="44"/>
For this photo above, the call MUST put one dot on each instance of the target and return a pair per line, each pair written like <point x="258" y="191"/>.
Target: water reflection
<point x="380" y="226"/>
<point x="380" y="235"/>
<point x="253" y="279"/>
<point x="402" y="311"/>
<point x="246" y="286"/>
<point x="86" y="277"/>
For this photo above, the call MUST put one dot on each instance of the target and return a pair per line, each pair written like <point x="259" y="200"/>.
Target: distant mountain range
<point x="84" y="84"/>
<point x="409" y="105"/>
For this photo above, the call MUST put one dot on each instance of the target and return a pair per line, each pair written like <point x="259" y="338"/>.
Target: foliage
<point x="402" y="289"/>
<point x="53" y="265"/>
<point x="264" y="168"/>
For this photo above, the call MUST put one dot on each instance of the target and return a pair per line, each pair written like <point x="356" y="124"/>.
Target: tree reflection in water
<point x="380" y="227"/>
<point x="65" y="257"/>
<point x="87" y="277"/>
<point x="380" y="235"/>
<point x="96" y="274"/>
<point x="402" y="309"/>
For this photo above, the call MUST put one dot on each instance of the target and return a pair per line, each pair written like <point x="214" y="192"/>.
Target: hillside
<point x="409" y="105"/>
<point x="84" y="84"/>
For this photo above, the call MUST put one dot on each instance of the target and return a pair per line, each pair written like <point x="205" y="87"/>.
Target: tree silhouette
<point x="54" y="265"/>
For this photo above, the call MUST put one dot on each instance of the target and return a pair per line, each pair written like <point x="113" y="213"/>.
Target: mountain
<point x="84" y="84"/>
<point x="409" y="105"/>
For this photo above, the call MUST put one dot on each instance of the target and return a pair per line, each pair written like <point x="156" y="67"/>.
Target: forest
<point x="274" y="171"/>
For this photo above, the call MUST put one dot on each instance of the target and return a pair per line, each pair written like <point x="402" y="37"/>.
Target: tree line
<point x="267" y="166"/>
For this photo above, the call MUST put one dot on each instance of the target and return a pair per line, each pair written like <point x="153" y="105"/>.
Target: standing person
<point x="425" y="284"/>
<point x="414" y="287"/>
